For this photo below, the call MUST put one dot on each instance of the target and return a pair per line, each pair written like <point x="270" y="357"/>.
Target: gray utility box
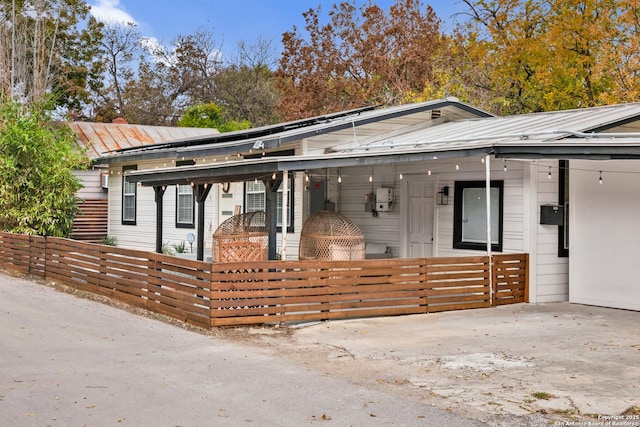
<point x="551" y="214"/>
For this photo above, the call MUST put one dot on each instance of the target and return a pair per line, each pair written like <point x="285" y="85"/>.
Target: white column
<point x="285" y="209"/>
<point x="487" y="165"/>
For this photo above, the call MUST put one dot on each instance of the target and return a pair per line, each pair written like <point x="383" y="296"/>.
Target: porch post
<point x="271" y="192"/>
<point x="159" y="192"/>
<point x="487" y="164"/>
<point x="201" y="193"/>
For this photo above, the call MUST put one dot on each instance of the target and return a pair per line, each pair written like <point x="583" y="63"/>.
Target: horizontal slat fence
<point x="263" y="292"/>
<point x="510" y="279"/>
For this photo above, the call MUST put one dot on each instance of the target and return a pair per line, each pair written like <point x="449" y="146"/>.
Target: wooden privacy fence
<point x="260" y="292"/>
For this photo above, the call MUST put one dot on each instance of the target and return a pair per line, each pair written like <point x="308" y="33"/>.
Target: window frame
<point x="191" y="224"/>
<point x="128" y="221"/>
<point x="291" y="206"/>
<point x="459" y="188"/>
<point x="192" y="197"/>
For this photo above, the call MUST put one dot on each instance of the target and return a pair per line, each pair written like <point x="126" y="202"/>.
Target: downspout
<point x="487" y="165"/>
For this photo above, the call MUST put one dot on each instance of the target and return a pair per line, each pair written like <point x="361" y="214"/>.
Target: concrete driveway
<point x="525" y="364"/>
<point x="72" y="361"/>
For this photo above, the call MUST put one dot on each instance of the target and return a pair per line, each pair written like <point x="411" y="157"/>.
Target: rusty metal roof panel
<point x="99" y="138"/>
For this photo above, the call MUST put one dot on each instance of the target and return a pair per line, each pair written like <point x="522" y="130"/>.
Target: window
<point x="129" y="196"/>
<point x="185" y="201"/>
<point x="185" y="206"/>
<point x="563" y="200"/>
<point x="470" y="215"/>
<point x="256" y="200"/>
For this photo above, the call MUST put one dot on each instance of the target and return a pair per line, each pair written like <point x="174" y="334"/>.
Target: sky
<point x="230" y="21"/>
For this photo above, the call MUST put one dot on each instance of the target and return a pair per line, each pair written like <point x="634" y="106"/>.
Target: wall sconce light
<point x="442" y="198"/>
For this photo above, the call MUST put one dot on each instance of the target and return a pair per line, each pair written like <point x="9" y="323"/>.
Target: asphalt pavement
<point x="70" y="361"/>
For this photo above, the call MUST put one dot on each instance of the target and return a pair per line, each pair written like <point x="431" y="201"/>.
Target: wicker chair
<point x="330" y="236"/>
<point x="243" y="237"/>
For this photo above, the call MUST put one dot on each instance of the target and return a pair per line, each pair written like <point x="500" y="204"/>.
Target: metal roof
<point x="562" y="134"/>
<point x="100" y="138"/>
<point x="534" y="127"/>
<point x="369" y="122"/>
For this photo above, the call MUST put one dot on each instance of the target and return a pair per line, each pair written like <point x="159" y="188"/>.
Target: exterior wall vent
<point x="436" y="114"/>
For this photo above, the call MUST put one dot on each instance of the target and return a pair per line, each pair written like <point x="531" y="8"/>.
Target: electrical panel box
<point x="384" y="199"/>
<point x="551" y="214"/>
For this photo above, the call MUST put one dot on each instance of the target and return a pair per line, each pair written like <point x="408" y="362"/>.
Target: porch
<point x="270" y="292"/>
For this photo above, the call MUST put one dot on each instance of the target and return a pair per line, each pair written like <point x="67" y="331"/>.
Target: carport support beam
<point x="201" y="193"/>
<point x="159" y="192"/>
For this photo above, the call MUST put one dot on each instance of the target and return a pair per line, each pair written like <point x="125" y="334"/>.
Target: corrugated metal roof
<point x="540" y="127"/>
<point x="99" y="138"/>
<point x="340" y="126"/>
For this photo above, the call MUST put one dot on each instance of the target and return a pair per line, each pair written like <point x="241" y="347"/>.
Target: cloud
<point x="110" y="11"/>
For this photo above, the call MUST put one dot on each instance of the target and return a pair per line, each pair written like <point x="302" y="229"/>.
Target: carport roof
<point x="584" y="133"/>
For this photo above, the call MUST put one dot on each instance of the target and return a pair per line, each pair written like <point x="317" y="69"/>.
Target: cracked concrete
<point x="525" y="364"/>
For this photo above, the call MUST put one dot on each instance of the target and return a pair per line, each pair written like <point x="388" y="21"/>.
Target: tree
<point x="542" y="55"/>
<point x="37" y="159"/>
<point x="246" y="87"/>
<point x="363" y="56"/>
<point x="170" y="79"/>
<point x="210" y="116"/>
<point x="119" y="46"/>
<point x="44" y="49"/>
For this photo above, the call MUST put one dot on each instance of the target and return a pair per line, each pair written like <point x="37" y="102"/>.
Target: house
<point x="433" y="179"/>
<point x="97" y="139"/>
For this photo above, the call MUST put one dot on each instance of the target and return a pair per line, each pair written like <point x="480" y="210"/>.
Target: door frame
<point x="404" y="212"/>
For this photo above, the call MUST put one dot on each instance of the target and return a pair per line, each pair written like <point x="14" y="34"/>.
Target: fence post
<point x="493" y="281"/>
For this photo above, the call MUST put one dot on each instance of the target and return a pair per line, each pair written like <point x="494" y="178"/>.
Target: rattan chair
<point x="330" y="236"/>
<point x="243" y="237"/>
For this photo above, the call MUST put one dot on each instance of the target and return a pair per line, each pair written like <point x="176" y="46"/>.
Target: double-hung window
<point x="256" y="200"/>
<point x="129" y="196"/>
<point x="470" y="215"/>
<point x="185" y="201"/>
<point x="185" y="206"/>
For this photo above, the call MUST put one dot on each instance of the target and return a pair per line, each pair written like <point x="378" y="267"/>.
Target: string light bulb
<point x="549" y="174"/>
<point x="370" y="178"/>
<point x="600" y="178"/>
<point x="457" y="167"/>
<point x="273" y="176"/>
<point x="482" y="160"/>
<point x="400" y="176"/>
<point x="429" y="172"/>
<point x="339" y="179"/>
<point x="505" y="165"/>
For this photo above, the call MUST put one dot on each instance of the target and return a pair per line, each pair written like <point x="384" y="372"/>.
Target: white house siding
<point x="604" y="234"/>
<point x="90" y="180"/>
<point x="513" y="215"/>
<point x="143" y="235"/>
<point x="386" y="226"/>
<point x="526" y="187"/>
<point x="349" y="197"/>
<point x="550" y="273"/>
